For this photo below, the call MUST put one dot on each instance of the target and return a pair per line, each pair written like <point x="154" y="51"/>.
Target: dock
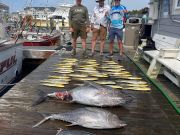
<point x="149" y="114"/>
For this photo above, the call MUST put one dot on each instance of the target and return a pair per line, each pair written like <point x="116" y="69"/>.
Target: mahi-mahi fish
<point x="91" y="94"/>
<point x="95" y="118"/>
<point x="73" y="132"/>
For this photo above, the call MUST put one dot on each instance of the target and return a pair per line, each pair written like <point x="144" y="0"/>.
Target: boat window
<point x="178" y="4"/>
<point x="176" y="7"/>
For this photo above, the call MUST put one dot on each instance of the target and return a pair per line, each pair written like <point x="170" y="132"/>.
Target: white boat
<point x="10" y="60"/>
<point x="61" y="15"/>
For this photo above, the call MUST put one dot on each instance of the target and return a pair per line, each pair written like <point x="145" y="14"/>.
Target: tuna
<point x="91" y="94"/>
<point x="88" y="117"/>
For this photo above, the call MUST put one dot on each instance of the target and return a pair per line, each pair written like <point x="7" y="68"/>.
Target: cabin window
<point x="177" y="4"/>
<point x="165" y="8"/>
<point x="176" y="7"/>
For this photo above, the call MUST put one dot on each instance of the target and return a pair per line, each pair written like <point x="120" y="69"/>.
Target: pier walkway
<point x="149" y="113"/>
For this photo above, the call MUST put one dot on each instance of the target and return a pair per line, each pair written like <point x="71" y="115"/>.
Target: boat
<point x="10" y="62"/>
<point x="42" y="40"/>
<point x="61" y="15"/>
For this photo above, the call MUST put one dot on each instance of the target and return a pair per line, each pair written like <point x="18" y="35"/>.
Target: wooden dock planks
<point x="149" y="113"/>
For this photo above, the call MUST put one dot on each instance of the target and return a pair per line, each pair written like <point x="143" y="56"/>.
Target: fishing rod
<point x="23" y="28"/>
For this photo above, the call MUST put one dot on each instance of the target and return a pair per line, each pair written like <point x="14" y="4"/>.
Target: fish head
<point x="115" y="122"/>
<point x="64" y="96"/>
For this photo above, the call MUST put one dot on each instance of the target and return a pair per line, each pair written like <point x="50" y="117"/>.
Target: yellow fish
<point x="86" y="79"/>
<point x="137" y="85"/>
<point x="131" y="78"/>
<point x="87" y="71"/>
<point x="105" y="82"/>
<point x="59" y="77"/>
<point x="115" y="86"/>
<point x="140" y="88"/>
<point x="101" y="75"/>
<point x="78" y="75"/>
<point x="63" y="72"/>
<point x="53" y="85"/>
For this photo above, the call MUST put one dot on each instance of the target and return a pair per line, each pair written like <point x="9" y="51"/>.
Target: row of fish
<point x="90" y="70"/>
<point x="99" y="89"/>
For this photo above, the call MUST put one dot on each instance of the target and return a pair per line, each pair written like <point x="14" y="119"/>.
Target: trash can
<point x="131" y="34"/>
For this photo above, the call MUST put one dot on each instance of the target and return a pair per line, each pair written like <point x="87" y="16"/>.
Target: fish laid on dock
<point x="131" y="81"/>
<point x="138" y="88"/>
<point x="105" y="82"/>
<point x="53" y="85"/>
<point x="88" y="117"/>
<point x="91" y="94"/>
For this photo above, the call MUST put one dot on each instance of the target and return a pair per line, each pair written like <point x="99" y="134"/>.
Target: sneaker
<point x="101" y="54"/>
<point x="110" y="55"/>
<point x="84" y="52"/>
<point x="91" y="54"/>
<point x="73" y="52"/>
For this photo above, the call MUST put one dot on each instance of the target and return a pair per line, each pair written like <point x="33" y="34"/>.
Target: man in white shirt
<point x="99" y="25"/>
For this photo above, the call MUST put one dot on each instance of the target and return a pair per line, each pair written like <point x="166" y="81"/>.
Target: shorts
<point x="115" y="32"/>
<point x="79" y="30"/>
<point x="101" y="32"/>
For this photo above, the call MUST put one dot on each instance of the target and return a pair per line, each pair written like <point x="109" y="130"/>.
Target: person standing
<point x="99" y="25"/>
<point x="79" y="24"/>
<point x="116" y="18"/>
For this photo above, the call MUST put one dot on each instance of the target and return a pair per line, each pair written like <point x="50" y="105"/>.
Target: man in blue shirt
<point x="116" y="18"/>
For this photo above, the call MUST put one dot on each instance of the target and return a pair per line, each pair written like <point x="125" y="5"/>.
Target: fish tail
<point x="42" y="121"/>
<point x="59" y="131"/>
<point x="41" y="98"/>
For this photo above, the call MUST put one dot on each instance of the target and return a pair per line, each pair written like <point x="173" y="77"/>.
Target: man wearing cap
<point x="99" y="25"/>
<point x="79" y="24"/>
<point x="116" y="18"/>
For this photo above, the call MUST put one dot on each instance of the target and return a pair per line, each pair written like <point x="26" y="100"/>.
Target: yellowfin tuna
<point x="115" y="86"/>
<point x="53" y="85"/>
<point x="140" y="88"/>
<point x="58" y="77"/>
<point x="64" y="72"/>
<point x="78" y="75"/>
<point x="137" y="85"/>
<point x="105" y="82"/>
<point x="86" y="79"/>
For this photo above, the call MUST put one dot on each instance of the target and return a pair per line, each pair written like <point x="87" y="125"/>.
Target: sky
<point x="18" y="5"/>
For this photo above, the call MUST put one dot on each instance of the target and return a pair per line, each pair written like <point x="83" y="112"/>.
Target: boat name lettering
<point x="6" y="64"/>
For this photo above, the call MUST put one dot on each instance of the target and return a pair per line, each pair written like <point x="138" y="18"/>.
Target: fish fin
<point x="70" y="125"/>
<point x="42" y="121"/>
<point x="42" y="96"/>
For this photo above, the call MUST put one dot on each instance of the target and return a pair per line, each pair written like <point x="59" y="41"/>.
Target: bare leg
<point x="111" y="46"/>
<point x="93" y="44"/>
<point x="120" y="44"/>
<point x="102" y="46"/>
<point x="83" y="44"/>
<point x="74" y="47"/>
<point x="74" y="43"/>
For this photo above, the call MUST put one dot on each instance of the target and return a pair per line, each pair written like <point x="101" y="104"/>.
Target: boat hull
<point x="10" y="63"/>
<point x="45" y="41"/>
